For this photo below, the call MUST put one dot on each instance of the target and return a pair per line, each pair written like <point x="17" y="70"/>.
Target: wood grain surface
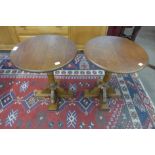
<point x="43" y="53"/>
<point x="116" y="54"/>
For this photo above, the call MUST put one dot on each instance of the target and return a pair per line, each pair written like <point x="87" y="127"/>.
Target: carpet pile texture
<point x="19" y="108"/>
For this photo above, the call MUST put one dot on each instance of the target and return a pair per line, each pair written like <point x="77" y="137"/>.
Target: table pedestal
<point x="103" y="90"/>
<point x="53" y="91"/>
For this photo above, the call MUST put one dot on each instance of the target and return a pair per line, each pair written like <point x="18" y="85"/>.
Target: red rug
<point x="19" y="108"/>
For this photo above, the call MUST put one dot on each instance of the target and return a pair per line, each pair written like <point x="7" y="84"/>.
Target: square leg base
<point x="43" y="93"/>
<point x="104" y="107"/>
<point x="53" y="107"/>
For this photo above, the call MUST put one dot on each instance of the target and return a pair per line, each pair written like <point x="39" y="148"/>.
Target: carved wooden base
<point x="54" y="91"/>
<point x="43" y="93"/>
<point x="95" y="92"/>
<point x="98" y="92"/>
<point x="104" y="106"/>
<point x="112" y="93"/>
<point x="64" y="93"/>
<point x="53" y="106"/>
<point x="104" y="91"/>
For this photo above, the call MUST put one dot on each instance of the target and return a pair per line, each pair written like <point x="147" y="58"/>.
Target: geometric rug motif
<point x="6" y="99"/>
<point x="19" y="108"/>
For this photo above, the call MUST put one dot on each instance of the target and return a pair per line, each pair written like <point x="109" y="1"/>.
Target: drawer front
<point x="36" y="30"/>
<point x="22" y="38"/>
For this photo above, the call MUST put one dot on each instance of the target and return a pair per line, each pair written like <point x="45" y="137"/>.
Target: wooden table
<point x="45" y="53"/>
<point x="114" y="55"/>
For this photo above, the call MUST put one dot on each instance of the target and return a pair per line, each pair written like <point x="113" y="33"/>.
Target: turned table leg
<point x="107" y="91"/>
<point x="103" y="90"/>
<point x="49" y="92"/>
<point x="53" y="86"/>
<point x="53" y="91"/>
<point x="103" y="95"/>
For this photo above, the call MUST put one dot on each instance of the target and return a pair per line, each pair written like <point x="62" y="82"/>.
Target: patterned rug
<point x="19" y="108"/>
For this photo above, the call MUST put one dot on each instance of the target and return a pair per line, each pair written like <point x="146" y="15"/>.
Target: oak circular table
<point x="45" y="53"/>
<point x="115" y="55"/>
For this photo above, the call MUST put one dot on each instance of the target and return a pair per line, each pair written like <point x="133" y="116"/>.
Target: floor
<point x="146" y="38"/>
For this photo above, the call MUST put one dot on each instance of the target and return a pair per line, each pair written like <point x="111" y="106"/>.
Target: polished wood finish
<point x="116" y="54"/>
<point x="38" y="30"/>
<point x="11" y="35"/>
<point x="43" y="53"/>
<point x="81" y="34"/>
<point x="113" y="54"/>
<point x="7" y="37"/>
<point x="23" y="38"/>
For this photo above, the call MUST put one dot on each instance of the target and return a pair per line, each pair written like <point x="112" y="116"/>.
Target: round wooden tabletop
<point x="116" y="54"/>
<point x="43" y="53"/>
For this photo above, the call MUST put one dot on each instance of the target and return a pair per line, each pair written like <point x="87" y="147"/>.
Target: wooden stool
<point x="45" y="53"/>
<point x="114" y="55"/>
